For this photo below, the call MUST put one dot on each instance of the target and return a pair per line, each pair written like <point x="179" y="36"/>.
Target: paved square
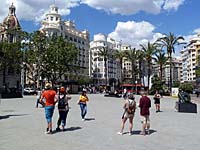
<point x="22" y="127"/>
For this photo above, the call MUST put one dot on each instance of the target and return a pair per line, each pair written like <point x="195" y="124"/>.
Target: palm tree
<point x="105" y="53"/>
<point x="161" y="60"/>
<point x="141" y="59"/>
<point x="149" y="50"/>
<point x="131" y="56"/>
<point x="169" y="42"/>
<point x="119" y="55"/>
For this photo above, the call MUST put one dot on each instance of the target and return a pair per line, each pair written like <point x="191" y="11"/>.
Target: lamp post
<point x="24" y="47"/>
<point x="136" y="86"/>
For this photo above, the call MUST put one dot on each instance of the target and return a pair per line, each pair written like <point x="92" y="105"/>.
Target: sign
<point x="175" y="92"/>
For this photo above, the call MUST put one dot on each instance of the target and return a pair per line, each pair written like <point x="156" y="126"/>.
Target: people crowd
<point x="49" y="97"/>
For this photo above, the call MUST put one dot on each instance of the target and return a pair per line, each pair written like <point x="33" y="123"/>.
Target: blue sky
<point x="132" y="21"/>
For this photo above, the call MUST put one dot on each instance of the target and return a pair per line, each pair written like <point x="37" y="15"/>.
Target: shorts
<point x="145" y="119"/>
<point x="156" y="100"/>
<point x="49" y="113"/>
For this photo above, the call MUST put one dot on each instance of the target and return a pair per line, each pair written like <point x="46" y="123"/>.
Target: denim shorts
<point x="49" y="113"/>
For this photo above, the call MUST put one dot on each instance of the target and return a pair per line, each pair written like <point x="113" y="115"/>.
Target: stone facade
<point x="8" y="33"/>
<point x="54" y="25"/>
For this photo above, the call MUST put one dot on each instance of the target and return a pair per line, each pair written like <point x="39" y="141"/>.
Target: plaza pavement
<point x="22" y="127"/>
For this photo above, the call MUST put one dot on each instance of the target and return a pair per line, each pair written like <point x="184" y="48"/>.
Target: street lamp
<point x="136" y="86"/>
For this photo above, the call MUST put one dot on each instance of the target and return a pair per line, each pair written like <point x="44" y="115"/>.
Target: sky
<point x="133" y="22"/>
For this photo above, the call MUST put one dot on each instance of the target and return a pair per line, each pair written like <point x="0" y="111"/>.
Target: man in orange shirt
<point x="49" y="96"/>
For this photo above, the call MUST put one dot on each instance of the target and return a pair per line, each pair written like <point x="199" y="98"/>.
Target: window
<point x="51" y="18"/>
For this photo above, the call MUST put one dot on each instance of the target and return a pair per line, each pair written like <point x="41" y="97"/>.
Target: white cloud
<point x="135" y="33"/>
<point x="172" y="4"/>
<point x="193" y="35"/>
<point x="35" y="9"/>
<point x="127" y="7"/>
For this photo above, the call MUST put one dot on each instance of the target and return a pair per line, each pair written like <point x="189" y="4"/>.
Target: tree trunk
<point x="121" y="67"/>
<point x="170" y="79"/>
<point x="161" y="72"/>
<point x="106" y="71"/>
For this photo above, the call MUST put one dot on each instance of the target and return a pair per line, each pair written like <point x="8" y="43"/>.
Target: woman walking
<point x="129" y="106"/>
<point x="63" y="108"/>
<point x="157" y="101"/>
<point x="50" y="99"/>
<point x="83" y="99"/>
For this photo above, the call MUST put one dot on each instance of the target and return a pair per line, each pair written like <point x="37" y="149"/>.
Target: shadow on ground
<point x="68" y="129"/>
<point x="137" y="132"/>
<point x="89" y="119"/>
<point x="8" y="116"/>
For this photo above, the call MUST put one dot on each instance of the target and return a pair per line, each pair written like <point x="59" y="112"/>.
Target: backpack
<point x="61" y="102"/>
<point x="131" y="106"/>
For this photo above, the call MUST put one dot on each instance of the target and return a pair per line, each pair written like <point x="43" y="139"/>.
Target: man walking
<point x="145" y="104"/>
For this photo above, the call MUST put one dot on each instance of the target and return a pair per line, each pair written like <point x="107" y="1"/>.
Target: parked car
<point x="29" y="91"/>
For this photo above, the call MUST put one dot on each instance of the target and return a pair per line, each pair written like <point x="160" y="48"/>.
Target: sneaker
<point x="148" y="132"/>
<point x="48" y="132"/>
<point x="142" y="133"/>
<point x="119" y="133"/>
<point x="130" y="133"/>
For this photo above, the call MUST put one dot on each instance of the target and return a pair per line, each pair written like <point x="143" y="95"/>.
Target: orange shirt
<point x="49" y="95"/>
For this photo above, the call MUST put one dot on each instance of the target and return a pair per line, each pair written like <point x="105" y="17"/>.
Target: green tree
<point x="169" y="41"/>
<point x="59" y="58"/>
<point x="161" y="60"/>
<point x="187" y="87"/>
<point x="35" y="45"/>
<point x="157" y="84"/>
<point x="10" y="58"/>
<point x="149" y="51"/>
<point x="105" y="52"/>
<point x="141" y="63"/>
<point x="131" y="56"/>
<point x="119" y="55"/>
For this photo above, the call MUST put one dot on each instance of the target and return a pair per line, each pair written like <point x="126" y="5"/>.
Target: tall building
<point x="98" y="70"/>
<point x="54" y="25"/>
<point x="10" y="77"/>
<point x="189" y="57"/>
<point x="176" y="71"/>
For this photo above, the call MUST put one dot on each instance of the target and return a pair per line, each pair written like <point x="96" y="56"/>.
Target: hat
<point x="48" y="86"/>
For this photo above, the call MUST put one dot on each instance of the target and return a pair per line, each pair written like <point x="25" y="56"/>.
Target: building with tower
<point x="9" y="33"/>
<point x="54" y="25"/>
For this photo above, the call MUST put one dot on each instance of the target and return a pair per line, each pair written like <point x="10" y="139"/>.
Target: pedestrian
<point x="145" y="104"/>
<point x="39" y="94"/>
<point x="83" y="99"/>
<point x="63" y="108"/>
<point x="50" y="99"/>
<point x="156" y="98"/>
<point x="129" y="111"/>
<point x="125" y="92"/>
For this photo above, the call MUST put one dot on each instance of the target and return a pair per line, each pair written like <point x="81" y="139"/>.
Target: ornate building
<point x="9" y="28"/>
<point x="54" y="25"/>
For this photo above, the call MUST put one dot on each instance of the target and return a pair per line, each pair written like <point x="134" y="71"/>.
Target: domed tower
<point x="9" y="26"/>
<point x="52" y="24"/>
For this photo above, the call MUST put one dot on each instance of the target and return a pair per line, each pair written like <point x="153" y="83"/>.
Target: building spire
<point x="12" y="10"/>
